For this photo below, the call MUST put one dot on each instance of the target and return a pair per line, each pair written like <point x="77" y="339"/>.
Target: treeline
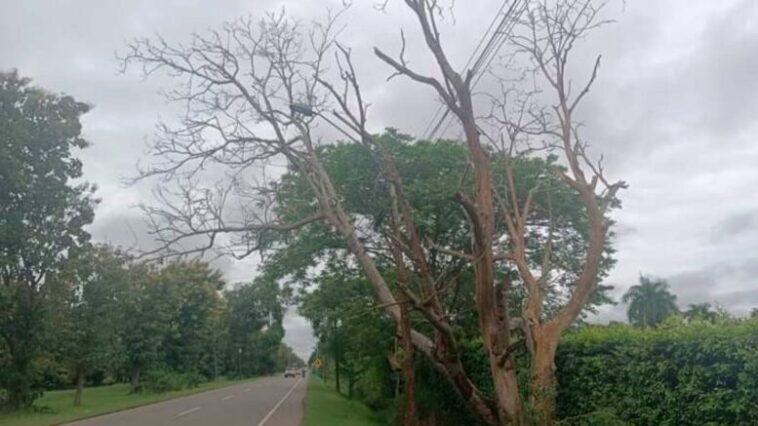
<point x="103" y="319"/>
<point x="75" y="314"/>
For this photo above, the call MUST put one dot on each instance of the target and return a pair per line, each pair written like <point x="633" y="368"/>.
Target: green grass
<point x="56" y="407"/>
<point x="325" y="407"/>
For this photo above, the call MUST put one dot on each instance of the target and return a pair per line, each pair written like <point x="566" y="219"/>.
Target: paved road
<point x="269" y="401"/>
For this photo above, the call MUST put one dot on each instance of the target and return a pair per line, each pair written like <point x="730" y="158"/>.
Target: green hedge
<point x="678" y="374"/>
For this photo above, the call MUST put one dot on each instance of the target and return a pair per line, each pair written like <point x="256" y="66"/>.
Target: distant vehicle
<point x="291" y="372"/>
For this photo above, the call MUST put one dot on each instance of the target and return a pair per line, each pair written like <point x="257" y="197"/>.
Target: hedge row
<point x="678" y="374"/>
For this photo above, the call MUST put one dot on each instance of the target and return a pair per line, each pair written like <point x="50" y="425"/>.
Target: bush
<point x="678" y="374"/>
<point x="193" y="380"/>
<point x="159" y="381"/>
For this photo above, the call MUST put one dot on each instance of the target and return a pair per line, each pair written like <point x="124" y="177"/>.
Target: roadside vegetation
<point x="693" y="366"/>
<point x="74" y="314"/>
<point x="325" y="407"/>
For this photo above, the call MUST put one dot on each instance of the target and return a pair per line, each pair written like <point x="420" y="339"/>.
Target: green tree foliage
<point x="354" y="339"/>
<point x="42" y="215"/>
<point x="92" y="286"/>
<point x="193" y="298"/>
<point x="677" y="374"/>
<point x="650" y="302"/>
<point x="147" y="316"/>
<point x="255" y="314"/>
<point x="432" y="173"/>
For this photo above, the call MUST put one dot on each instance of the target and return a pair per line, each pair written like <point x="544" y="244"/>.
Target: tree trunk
<point x="543" y="387"/>
<point x="79" y="387"/>
<point x="336" y="364"/>
<point x="506" y="392"/>
<point x="350" y="385"/>
<point x="409" y="415"/>
<point x="448" y="363"/>
<point x="134" y="384"/>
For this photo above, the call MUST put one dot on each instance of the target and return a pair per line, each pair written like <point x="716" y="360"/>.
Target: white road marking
<point x="191" y="410"/>
<point x="227" y="397"/>
<point x="279" y="404"/>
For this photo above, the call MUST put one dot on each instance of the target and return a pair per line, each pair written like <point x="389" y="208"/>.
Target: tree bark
<point x="350" y="385"/>
<point x="79" y="387"/>
<point x="409" y="414"/>
<point x="134" y="384"/>
<point x="542" y="390"/>
<point x="336" y="362"/>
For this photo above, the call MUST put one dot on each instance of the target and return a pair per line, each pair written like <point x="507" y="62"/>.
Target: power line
<point x="496" y="41"/>
<point x="442" y="109"/>
<point x="489" y="62"/>
<point x="487" y="55"/>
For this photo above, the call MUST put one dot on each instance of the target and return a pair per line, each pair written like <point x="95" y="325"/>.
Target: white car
<point x="291" y="372"/>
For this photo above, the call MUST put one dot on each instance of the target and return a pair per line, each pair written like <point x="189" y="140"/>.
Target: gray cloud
<point x="734" y="225"/>
<point x="733" y="286"/>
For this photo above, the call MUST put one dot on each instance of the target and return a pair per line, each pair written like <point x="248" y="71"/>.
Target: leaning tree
<point x="253" y="94"/>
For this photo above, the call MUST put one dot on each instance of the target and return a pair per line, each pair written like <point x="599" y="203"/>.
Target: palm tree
<point x="701" y="311"/>
<point x="650" y="302"/>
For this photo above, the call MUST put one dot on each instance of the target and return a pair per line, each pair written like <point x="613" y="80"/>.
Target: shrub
<point x="164" y="381"/>
<point x="194" y="379"/>
<point x="678" y="374"/>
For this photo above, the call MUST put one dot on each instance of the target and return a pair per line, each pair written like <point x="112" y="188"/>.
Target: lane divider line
<point x="227" y="397"/>
<point x="184" y="413"/>
<point x="279" y="404"/>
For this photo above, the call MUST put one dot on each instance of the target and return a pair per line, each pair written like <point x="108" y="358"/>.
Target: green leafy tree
<point x="42" y="217"/>
<point x="650" y="302"/>
<point x="172" y="317"/>
<point x="146" y="318"/>
<point x="94" y="282"/>
<point x="194" y="301"/>
<point x="431" y="175"/>
<point x="255" y="314"/>
<point x="351" y="332"/>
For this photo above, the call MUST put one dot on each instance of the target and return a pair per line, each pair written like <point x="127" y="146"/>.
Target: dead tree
<point x="548" y="33"/>
<point x="253" y="94"/>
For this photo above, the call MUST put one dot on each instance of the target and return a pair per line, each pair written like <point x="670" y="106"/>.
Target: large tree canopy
<point x="42" y="215"/>
<point x="432" y="173"/>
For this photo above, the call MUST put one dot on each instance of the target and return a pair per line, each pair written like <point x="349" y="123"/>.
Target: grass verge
<point x="325" y="407"/>
<point x="56" y="407"/>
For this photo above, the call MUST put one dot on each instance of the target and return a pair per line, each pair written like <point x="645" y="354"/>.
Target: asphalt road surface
<point x="268" y="401"/>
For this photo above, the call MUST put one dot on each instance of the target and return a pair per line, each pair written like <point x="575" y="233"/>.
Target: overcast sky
<point x="675" y="111"/>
